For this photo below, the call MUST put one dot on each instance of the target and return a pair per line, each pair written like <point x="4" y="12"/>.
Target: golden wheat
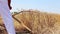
<point x="40" y="23"/>
<point x="37" y="22"/>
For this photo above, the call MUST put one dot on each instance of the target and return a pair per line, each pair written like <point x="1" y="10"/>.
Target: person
<point x="6" y="16"/>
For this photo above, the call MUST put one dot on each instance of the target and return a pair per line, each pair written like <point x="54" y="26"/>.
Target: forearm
<point x="9" y="4"/>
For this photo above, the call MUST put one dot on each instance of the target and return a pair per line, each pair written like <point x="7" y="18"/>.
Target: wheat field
<point x="35" y="22"/>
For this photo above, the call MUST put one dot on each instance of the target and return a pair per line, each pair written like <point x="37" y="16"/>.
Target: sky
<point x="52" y="6"/>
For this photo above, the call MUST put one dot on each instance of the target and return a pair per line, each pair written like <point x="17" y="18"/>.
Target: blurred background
<point x="51" y="6"/>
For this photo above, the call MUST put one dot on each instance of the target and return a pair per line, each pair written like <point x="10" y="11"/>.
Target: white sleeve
<point x="7" y="17"/>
